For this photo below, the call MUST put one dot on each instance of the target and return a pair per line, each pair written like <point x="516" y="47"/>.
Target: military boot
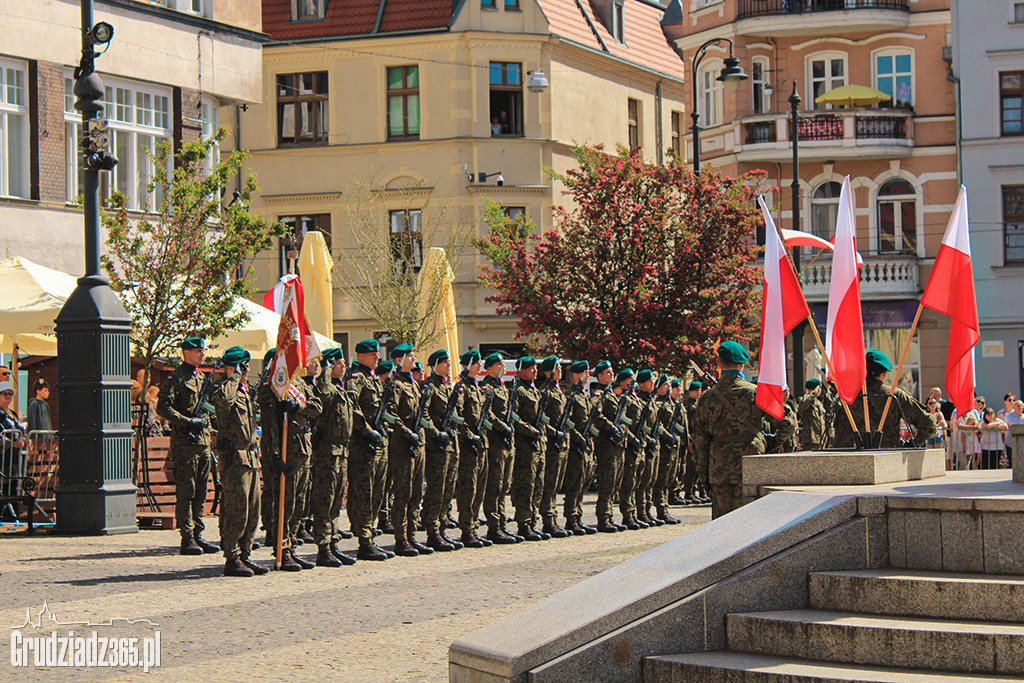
<point x="544" y="536"/>
<point x="574" y="527"/>
<point x="207" y="548"/>
<point x="383" y="550"/>
<point x="325" y="558"/>
<point x="403" y="548"/>
<point x="496" y="535"/>
<point x="420" y="548"/>
<point x="189" y="546"/>
<point x="552" y="529"/>
<point x="385" y="526"/>
<point x="435" y="542"/>
<point x="304" y="535"/>
<point x="632" y="524"/>
<point x="606" y="526"/>
<point x="517" y="537"/>
<point x="344" y="533"/>
<point x="368" y="551"/>
<point x="471" y="540"/>
<point x="256" y="569"/>
<point x="342" y="557"/>
<point x="528" y="533"/>
<point x="288" y="563"/>
<point x="305" y="564"/>
<point x="235" y="567"/>
<point x="665" y="517"/>
<point x="456" y="545"/>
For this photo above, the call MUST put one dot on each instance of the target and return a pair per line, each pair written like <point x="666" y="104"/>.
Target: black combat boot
<point x="496" y="535"/>
<point x="207" y="548"/>
<point x="342" y="557"/>
<point x="288" y="563"/>
<point x="471" y="540"/>
<point x="435" y="542"/>
<point x="325" y="558"/>
<point x="574" y="527"/>
<point x="368" y="551"/>
<point x="420" y="548"/>
<point x="544" y="536"/>
<point x="403" y="548"/>
<point x="256" y="569"/>
<point x="665" y="517"/>
<point x="528" y="533"/>
<point x="304" y="534"/>
<point x="385" y="526"/>
<point x="552" y="529"/>
<point x="504" y="530"/>
<point x="631" y="523"/>
<point x="235" y="567"/>
<point x="606" y="526"/>
<point x="383" y="550"/>
<point x="305" y="564"/>
<point x="345" y="534"/>
<point x="189" y="546"/>
<point x="457" y="545"/>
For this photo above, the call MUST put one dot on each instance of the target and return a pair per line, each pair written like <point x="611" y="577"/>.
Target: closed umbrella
<point x="852" y="96"/>
<point x="436" y="277"/>
<point x="315" y="266"/>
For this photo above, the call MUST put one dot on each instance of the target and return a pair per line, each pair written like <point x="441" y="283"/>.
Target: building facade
<point x="170" y="68"/>
<point x="421" y="103"/>
<point x="900" y="154"/>
<point x="990" y="81"/>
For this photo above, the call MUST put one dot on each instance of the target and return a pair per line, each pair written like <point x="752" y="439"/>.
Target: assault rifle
<point x="479" y="427"/>
<point x="675" y="418"/>
<point x="449" y="411"/>
<point x="703" y="374"/>
<point x="421" y="411"/>
<point x="637" y="444"/>
<point x="564" y="422"/>
<point x="545" y="395"/>
<point x="620" y="412"/>
<point x="511" y="408"/>
<point x="385" y="397"/>
<point x="203" y="407"/>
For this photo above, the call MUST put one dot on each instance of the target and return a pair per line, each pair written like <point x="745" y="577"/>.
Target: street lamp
<point x="798" y="331"/>
<point x="731" y="76"/>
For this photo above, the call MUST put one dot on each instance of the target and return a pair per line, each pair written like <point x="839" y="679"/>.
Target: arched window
<point x="897" y="217"/>
<point x="762" y="93"/>
<point x="825" y="209"/>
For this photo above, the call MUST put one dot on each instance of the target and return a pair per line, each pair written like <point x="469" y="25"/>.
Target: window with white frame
<point x="897" y="217"/>
<point x="138" y="118"/>
<point x="894" y="75"/>
<point x="619" y="21"/>
<point x="762" y="96"/>
<point x="14" y="136"/>
<point x="308" y="9"/>
<point x="825" y="72"/>
<point x="825" y="209"/>
<point x="710" y="99"/>
<point x="210" y="123"/>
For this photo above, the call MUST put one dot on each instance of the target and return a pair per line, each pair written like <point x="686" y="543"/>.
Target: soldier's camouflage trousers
<point x="668" y="465"/>
<point x="451" y="477"/>
<point x="631" y="462"/>
<point x="524" y="475"/>
<point x="609" y="458"/>
<point x="191" y="473"/>
<point x="499" y="480"/>
<point x="240" y="506"/>
<point x="646" y="469"/>
<point x="578" y="465"/>
<point x="366" y="472"/>
<point x="554" y="473"/>
<point x="725" y="498"/>
<point x="294" y="484"/>
<point x="327" y="490"/>
<point x="435" y="468"/>
<point x="472" y="478"/>
<point x="407" y="484"/>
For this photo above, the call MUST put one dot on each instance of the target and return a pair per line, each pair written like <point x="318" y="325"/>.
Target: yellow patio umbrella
<point x="436" y="276"/>
<point x="315" y="267"/>
<point x="852" y="96"/>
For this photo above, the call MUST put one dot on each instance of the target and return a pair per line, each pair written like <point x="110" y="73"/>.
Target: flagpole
<point x="899" y="369"/>
<point x="278" y="550"/>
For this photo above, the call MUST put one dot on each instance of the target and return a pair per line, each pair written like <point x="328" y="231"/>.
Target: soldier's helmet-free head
<point x="235" y="356"/>
<point x="732" y="353"/>
<point x="580" y="367"/>
<point x="877" y="363"/>
<point x="695" y="385"/>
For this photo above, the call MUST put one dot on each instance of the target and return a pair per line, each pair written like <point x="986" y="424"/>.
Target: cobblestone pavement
<point x="390" y="621"/>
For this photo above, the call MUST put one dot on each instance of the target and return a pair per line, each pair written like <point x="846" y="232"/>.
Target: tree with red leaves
<point x="650" y="267"/>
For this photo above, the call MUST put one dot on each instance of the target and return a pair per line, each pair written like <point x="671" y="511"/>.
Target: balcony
<point x="883" y="276"/>
<point x="796" y="17"/>
<point x="837" y="134"/>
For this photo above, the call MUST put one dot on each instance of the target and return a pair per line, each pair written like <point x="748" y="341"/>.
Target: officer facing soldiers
<point x="727" y="426"/>
<point x="529" y="446"/>
<point x="499" y="452"/>
<point x="904" y="406"/>
<point x="811" y="416"/>
<point x="579" y="461"/>
<point x="329" y="460"/>
<point x="472" y="450"/>
<point x="440" y="449"/>
<point x="178" y="403"/>
<point x="551" y="468"/>
<point x="239" y="463"/>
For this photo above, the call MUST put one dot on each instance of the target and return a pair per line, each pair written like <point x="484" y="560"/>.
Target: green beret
<point x="624" y="374"/>
<point x="401" y="350"/>
<point x="438" y="356"/>
<point x="812" y="383"/>
<point x="732" y="352"/>
<point x="367" y="346"/>
<point x="643" y="376"/>
<point x="661" y="380"/>
<point x="236" y="355"/>
<point x="269" y="356"/>
<point x="695" y="386"/>
<point x="333" y="354"/>
<point x="193" y="343"/>
<point x="579" y="366"/>
<point x="677" y="383"/>
<point x="877" y="361"/>
<point x="469" y="357"/>
<point x="492" y="359"/>
<point x="418" y="367"/>
<point x="549" y="364"/>
<point x="602" y="366"/>
<point x="525" y="362"/>
<point x="384" y="368"/>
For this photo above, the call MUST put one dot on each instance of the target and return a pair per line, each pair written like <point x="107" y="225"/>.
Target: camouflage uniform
<point x="472" y="459"/>
<point x="691" y="478"/>
<point x="239" y="462"/>
<point x="811" y="414"/>
<point x="406" y="456"/>
<point x="640" y="421"/>
<point x="499" y="455"/>
<point x="652" y="453"/>
<point x="554" y="457"/>
<point x="608" y="451"/>
<point x="530" y="445"/>
<point x="329" y="461"/>
<point x="672" y="434"/>
<point x="727" y="426"/>
<point x="439" y="458"/>
<point x="916" y="415"/>
<point x="579" y="462"/>
<point x="367" y="463"/>
<point x="190" y="450"/>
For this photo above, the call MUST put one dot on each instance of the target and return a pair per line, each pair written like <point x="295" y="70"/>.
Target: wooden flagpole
<point x="899" y="367"/>
<point x="278" y="550"/>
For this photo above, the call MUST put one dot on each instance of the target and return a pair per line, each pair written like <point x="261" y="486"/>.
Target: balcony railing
<point x="880" y="276"/>
<point x="881" y="127"/>
<point x="767" y="136"/>
<point x="759" y="132"/>
<point x="820" y="127"/>
<point x="766" y="8"/>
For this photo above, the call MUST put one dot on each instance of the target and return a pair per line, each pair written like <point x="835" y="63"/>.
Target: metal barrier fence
<point x="28" y="475"/>
<point x="42" y="467"/>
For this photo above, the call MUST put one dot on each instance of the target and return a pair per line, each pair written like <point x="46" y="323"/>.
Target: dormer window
<point x="305" y="10"/>
<point x="619" y="21"/>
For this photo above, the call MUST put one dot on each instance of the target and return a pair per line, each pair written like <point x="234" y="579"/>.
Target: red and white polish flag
<point x="950" y="291"/>
<point x="783" y="306"/>
<point x="295" y="341"/>
<point x="844" y="336"/>
<point x="274" y="299"/>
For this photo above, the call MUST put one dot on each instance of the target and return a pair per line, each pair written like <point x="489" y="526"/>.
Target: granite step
<point x="920" y="593"/>
<point x="740" y="667"/>
<point x="910" y="642"/>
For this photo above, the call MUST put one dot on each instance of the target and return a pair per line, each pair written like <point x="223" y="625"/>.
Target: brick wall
<point x="51" y="132"/>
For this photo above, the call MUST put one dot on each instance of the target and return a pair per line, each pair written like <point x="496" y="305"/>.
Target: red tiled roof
<point x="356" y="17"/>
<point x="646" y="43"/>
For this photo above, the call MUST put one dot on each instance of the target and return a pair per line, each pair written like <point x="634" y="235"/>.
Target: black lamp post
<point x="798" y="331"/>
<point x="96" y="494"/>
<point x="732" y="74"/>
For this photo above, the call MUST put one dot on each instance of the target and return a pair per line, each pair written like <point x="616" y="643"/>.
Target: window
<point x="762" y="97"/>
<point x="307" y="9"/>
<point x="709" y="95"/>
<point x="619" y="21"/>
<point x="633" y="119"/>
<point x="298" y="226"/>
<point x="403" y="102"/>
<point x="825" y="209"/>
<point x="512" y="4"/>
<point x="488" y="4"/>
<point x="506" y="83"/>
<point x="897" y="217"/>
<point x="1011" y="97"/>
<point x="827" y="72"/>
<point x="138" y="117"/>
<point x="14" y="137"/>
<point x="676" y="144"/>
<point x="406" y="243"/>
<point x="1018" y="12"/>
<point x="894" y="75"/>
<point x="196" y="7"/>
<point x="302" y="108"/>
<point x="514" y="212"/>
<point x="211" y="122"/>
<point x="1013" y="223"/>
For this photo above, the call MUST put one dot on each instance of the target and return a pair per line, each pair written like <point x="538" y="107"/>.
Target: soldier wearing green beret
<point x="579" y="462"/>
<point x="656" y="452"/>
<point x="675" y="439"/>
<point x="728" y="425"/>
<point x="385" y="372"/>
<point x="190" y="445"/>
<point x="239" y="463"/>
<point x="441" y="444"/>
<point x="692" y="483"/>
<point x="609" y="447"/>
<point x="499" y="452"/>
<point x="329" y="461"/>
<point x="640" y="423"/>
<point x="904" y="407"/>
<point x="268" y="473"/>
<point x="811" y="416"/>
<point x="472" y="468"/>
<point x="529" y="447"/>
<point x="367" y="457"/>
<point x="551" y="463"/>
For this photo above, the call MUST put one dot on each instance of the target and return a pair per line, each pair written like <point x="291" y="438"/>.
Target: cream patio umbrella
<point x="316" y="267"/>
<point x="437" y="273"/>
<point x="259" y="334"/>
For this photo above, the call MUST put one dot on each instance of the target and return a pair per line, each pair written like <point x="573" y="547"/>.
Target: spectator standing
<point x="12" y="442"/>
<point x="972" y="446"/>
<point x="991" y="430"/>
<point x="1008" y="400"/>
<point x="1014" y="418"/>
<point x="939" y="440"/>
<point x="38" y="408"/>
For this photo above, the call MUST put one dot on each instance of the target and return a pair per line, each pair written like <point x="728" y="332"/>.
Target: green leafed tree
<point x="649" y="266"/>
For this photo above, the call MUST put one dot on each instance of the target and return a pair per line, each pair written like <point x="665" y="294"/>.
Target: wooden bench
<point x="161" y="483"/>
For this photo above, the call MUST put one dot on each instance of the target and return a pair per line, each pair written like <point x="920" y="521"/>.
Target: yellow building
<point x="430" y="100"/>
